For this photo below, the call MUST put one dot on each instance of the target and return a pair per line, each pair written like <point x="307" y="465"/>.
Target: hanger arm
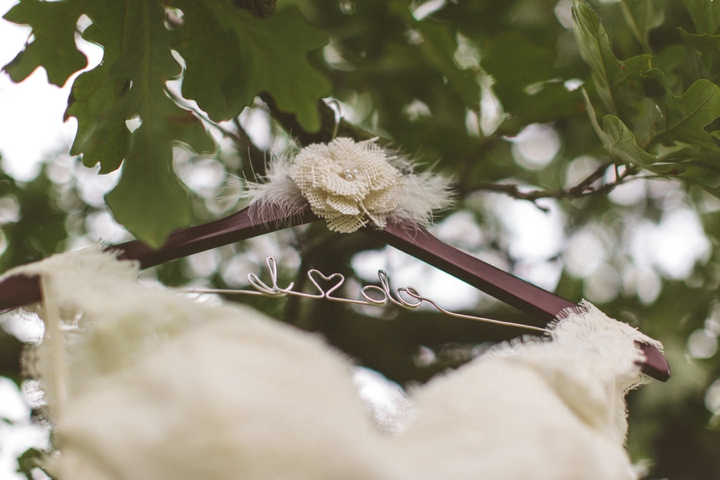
<point x="19" y="290"/>
<point x="239" y="226"/>
<point x="518" y="293"/>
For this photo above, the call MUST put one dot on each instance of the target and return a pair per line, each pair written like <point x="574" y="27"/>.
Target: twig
<point x="240" y="137"/>
<point x="242" y="140"/>
<point x="327" y="125"/>
<point x="582" y="189"/>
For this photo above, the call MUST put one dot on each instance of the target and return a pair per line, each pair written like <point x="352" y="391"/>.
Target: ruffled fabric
<point x="148" y="383"/>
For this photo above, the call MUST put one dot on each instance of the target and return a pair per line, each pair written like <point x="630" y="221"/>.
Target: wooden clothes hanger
<point x="19" y="290"/>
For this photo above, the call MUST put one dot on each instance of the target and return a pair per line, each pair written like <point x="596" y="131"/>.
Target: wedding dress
<point x="147" y="383"/>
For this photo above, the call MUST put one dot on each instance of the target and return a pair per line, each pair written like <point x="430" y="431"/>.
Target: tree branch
<point x="242" y="141"/>
<point x="327" y="121"/>
<point x="582" y="189"/>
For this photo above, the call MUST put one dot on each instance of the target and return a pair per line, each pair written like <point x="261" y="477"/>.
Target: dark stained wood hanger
<point x="19" y="290"/>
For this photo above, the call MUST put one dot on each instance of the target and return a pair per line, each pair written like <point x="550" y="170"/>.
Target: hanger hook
<point x="337" y="110"/>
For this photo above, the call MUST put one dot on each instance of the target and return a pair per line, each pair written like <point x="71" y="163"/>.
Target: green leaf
<point x="247" y="57"/>
<point x="96" y="91"/>
<point x="694" y="170"/>
<point x="212" y="56"/>
<point x="643" y="16"/>
<point x="619" y="84"/>
<point x="515" y="62"/>
<point x="618" y="139"/>
<point x="686" y="116"/>
<point x="523" y="73"/>
<point x="438" y="47"/>
<point x="715" y="192"/>
<point x="705" y="14"/>
<point x="149" y="199"/>
<point x="705" y="63"/>
<point x="53" y="48"/>
<point x="653" y="82"/>
<point x="668" y="61"/>
<point x="704" y="43"/>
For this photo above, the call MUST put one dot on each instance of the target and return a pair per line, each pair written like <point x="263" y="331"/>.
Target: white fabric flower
<point x="348" y="184"/>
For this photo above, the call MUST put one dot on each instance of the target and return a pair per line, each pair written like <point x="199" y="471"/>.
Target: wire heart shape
<point x="339" y="279"/>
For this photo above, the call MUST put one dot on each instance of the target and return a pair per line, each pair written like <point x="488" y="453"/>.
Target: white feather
<point x="275" y="189"/>
<point x="419" y="194"/>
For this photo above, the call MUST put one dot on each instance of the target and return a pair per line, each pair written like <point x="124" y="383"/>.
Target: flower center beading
<point x="350" y="174"/>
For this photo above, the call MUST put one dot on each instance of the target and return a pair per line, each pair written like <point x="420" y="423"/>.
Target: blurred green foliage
<point x="627" y="90"/>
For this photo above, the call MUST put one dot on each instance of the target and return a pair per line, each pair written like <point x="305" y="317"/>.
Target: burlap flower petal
<point x="379" y="220"/>
<point x="316" y="199"/>
<point x="343" y="205"/>
<point x="379" y="176"/>
<point x="381" y="201"/>
<point x="334" y="183"/>
<point x="345" y="223"/>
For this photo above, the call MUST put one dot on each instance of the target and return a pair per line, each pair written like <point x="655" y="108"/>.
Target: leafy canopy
<point x="230" y="57"/>
<point x="639" y="92"/>
<point x="657" y="109"/>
